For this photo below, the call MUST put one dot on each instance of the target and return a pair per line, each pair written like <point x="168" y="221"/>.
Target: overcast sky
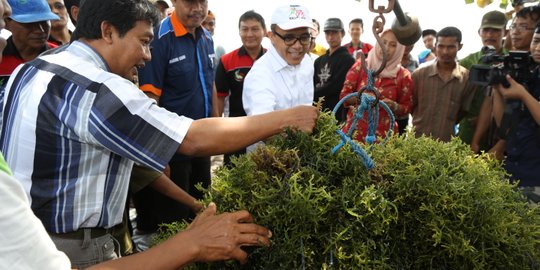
<point x="434" y="14"/>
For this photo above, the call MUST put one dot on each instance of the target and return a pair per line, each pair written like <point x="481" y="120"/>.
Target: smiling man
<point x="74" y="125"/>
<point x="283" y="77"/>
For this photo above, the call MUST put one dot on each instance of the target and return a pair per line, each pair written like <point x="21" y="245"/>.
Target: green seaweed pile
<point x="425" y="205"/>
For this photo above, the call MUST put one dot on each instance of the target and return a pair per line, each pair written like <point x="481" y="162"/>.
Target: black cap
<point x="333" y="24"/>
<point x="429" y="32"/>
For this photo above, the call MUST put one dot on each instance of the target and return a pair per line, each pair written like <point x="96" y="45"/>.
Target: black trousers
<point x="153" y="208"/>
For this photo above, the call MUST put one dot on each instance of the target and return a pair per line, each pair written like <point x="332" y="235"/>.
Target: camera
<point x="495" y="67"/>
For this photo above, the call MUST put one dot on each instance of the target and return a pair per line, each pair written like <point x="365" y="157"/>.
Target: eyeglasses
<point x="289" y="40"/>
<point x="521" y="28"/>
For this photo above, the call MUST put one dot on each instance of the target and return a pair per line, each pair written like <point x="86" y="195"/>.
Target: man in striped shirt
<point x="74" y="124"/>
<point x="441" y="92"/>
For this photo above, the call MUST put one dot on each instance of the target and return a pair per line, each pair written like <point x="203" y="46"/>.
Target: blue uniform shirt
<point x="523" y="146"/>
<point x="181" y="71"/>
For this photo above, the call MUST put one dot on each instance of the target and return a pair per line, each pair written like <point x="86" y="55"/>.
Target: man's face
<point x="32" y="36"/>
<point x="491" y="37"/>
<point x="58" y="8"/>
<point x="521" y="32"/>
<point x="191" y="13"/>
<point x="355" y="30"/>
<point x="315" y="30"/>
<point x="292" y="53"/>
<point x="163" y="8"/>
<point x="132" y="50"/>
<point x="210" y="25"/>
<point x="333" y="38"/>
<point x="535" y="47"/>
<point x="446" y="49"/>
<point x="429" y="42"/>
<point x="251" y="34"/>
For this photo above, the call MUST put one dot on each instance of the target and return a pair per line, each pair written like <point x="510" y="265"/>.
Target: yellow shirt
<point x="318" y="49"/>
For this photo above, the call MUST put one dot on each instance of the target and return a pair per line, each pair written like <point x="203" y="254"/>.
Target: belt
<point x="79" y="234"/>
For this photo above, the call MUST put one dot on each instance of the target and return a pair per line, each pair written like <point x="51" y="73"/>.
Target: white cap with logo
<point x="292" y="16"/>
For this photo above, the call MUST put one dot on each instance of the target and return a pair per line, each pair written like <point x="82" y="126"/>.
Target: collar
<point x="178" y="27"/>
<point x="242" y="51"/>
<point x="339" y="49"/>
<point x="434" y="71"/>
<point x="351" y="45"/>
<point x="88" y="53"/>
<point x="11" y="49"/>
<point x="277" y="62"/>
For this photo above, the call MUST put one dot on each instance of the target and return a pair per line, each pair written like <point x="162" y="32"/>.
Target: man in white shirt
<point x="283" y="77"/>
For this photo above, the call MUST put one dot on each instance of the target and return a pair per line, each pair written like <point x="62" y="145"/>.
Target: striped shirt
<point x="71" y="132"/>
<point x="437" y="103"/>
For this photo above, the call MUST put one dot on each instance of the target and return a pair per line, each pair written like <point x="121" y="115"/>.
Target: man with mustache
<point x="30" y="26"/>
<point x="180" y="77"/>
<point x="492" y="30"/>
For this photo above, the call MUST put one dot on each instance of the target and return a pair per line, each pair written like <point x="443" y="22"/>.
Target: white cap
<point x="291" y="17"/>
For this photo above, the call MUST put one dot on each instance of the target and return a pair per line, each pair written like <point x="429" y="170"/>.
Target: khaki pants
<point x="86" y="250"/>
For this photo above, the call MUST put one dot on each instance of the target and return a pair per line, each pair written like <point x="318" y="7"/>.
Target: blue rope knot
<point x="369" y="104"/>
<point x="370" y="139"/>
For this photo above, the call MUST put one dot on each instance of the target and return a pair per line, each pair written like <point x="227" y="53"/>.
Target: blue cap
<point x="422" y="56"/>
<point x="31" y="11"/>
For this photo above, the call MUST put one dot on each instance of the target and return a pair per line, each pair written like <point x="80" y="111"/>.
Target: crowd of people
<point x="128" y="108"/>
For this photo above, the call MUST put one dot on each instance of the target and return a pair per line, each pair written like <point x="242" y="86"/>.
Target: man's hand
<point x="516" y="91"/>
<point x="301" y="117"/>
<point x="220" y="237"/>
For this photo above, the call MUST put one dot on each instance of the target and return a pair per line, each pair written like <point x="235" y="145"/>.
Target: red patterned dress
<point x="398" y="89"/>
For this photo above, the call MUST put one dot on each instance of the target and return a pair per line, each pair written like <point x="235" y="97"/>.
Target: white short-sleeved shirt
<point x="272" y="84"/>
<point x="24" y="243"/>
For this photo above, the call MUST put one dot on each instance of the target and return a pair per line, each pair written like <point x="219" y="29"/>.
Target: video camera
<point x="518" y="64"/>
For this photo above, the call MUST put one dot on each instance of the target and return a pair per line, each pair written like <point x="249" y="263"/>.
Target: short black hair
<point x="357" y="20"/>
<point x="122" y="14"/>
<point x="68" y="4"/>
<point x="450" y="31"/>
<point x="252" y="15"/>
<point x="429" y="32"/>
<point x="537" y="27"/>
<point x="532" y="12"/>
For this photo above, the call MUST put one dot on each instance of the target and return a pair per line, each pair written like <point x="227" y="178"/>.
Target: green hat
<point x="494" y="19"/>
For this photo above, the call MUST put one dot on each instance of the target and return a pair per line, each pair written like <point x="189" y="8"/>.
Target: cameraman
<point x="523" y="136"/>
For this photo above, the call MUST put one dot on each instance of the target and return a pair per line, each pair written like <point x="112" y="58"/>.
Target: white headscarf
<point x="375" y="58"/>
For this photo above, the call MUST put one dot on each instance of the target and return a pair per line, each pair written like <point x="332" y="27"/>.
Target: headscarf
<point x="374" y="59"/>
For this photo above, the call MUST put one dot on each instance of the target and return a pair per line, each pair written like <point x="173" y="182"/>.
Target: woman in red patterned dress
<point x="394" y="84"/>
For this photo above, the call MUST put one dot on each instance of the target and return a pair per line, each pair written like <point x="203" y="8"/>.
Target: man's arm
<point x="167" y="187"/>
<point x="235" y="133"/>
<point x="210" y="237"/>
<point x="482" y="123"/>
<point x="218" y="103"/>
<point x="517" y="91"/>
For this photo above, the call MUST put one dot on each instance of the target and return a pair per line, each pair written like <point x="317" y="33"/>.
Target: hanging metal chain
<point x="378" y="26"/>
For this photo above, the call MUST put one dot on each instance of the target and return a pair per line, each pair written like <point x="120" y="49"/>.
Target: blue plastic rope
<point x="368" y="104"/>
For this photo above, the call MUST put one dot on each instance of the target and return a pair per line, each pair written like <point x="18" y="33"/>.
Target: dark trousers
<point x="154" y="208"/>
<point x="227" y="157"/>
<point x="402" y="124"/>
